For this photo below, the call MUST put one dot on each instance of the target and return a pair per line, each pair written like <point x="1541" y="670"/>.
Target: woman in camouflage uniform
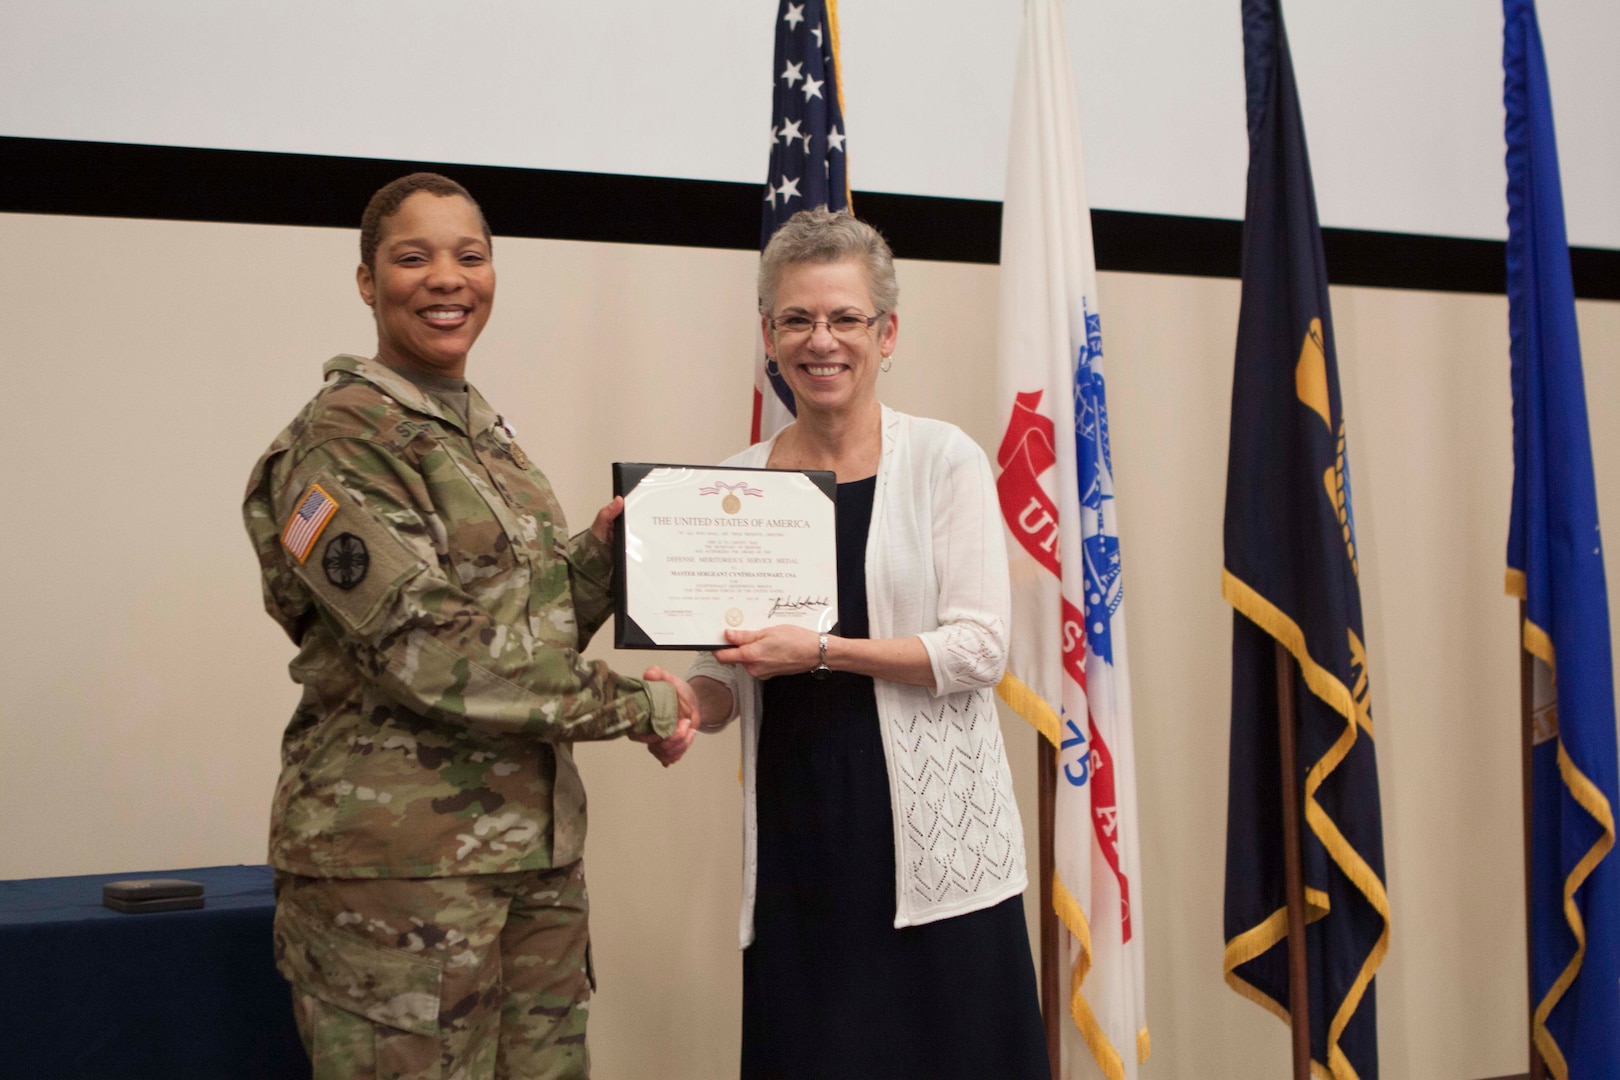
<point x="429" y="821"/>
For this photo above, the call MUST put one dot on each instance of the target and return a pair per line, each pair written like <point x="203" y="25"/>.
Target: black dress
<point x="831" y="990"/>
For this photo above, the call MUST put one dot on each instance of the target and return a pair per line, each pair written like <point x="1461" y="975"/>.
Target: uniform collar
<point x="479" y="415"/>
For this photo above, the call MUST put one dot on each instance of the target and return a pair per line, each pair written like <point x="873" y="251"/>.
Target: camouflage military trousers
<point x="456" y="978"/>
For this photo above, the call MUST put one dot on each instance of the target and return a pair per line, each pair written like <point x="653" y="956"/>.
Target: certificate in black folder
<point x="701" y="549"/>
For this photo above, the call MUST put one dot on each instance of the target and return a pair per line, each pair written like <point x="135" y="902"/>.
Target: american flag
<point x="807" y="157"/>
<point x="304" y="527"/>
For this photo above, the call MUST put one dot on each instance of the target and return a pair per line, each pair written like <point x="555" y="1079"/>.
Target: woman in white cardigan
<point x="882" y="913"/>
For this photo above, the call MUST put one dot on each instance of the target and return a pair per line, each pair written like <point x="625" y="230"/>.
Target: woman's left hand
<point x="602" y="527"/>
<point x="776" y="650"/>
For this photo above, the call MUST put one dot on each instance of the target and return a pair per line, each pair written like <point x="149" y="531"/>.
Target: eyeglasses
<point x="847" y="326"/>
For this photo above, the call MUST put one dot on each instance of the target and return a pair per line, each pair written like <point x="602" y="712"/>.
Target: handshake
<point x="671" y="748"/>
<point x="706" y="705"/>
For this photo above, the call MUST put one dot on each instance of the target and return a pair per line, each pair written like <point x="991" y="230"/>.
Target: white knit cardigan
<point x="936" y="568"/>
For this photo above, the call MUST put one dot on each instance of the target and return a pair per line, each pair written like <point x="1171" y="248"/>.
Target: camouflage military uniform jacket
<point x="439" y="607"/>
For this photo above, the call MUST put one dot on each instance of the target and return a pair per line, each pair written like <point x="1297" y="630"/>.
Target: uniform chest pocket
<point x="486" y="541"/>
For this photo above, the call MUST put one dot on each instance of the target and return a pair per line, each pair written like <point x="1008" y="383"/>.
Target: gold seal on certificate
<point x="701" y="549"/>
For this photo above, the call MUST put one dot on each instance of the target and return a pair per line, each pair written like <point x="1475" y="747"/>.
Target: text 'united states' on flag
<point x="808" y="157"/>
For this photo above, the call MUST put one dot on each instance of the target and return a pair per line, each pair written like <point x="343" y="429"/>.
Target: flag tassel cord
<point x="1326" y="686"/>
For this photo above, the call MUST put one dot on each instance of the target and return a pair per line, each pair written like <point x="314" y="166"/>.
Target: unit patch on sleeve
<point x="314" y="511"/>
<point x="345" y="560"/>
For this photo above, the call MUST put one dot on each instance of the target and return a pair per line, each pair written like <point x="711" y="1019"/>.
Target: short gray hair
<point x="828" y="236"/>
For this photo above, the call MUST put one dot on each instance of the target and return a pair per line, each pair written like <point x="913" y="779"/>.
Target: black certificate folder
<point x="703" y="548"/>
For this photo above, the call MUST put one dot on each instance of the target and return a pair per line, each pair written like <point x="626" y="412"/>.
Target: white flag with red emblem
<point x="1067" y="673"/>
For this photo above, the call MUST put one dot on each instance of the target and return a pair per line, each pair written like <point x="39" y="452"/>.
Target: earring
<point x="771" y="367"/>
<point x="888" y="362"/>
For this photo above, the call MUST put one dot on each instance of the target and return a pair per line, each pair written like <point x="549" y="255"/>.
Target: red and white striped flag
<point x="1067" y="673"/>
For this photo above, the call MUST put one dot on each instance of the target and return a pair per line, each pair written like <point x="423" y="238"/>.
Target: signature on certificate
<point x="788" y="605"/>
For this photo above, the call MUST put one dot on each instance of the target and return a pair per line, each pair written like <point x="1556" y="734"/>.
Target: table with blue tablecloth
<point x="87" y="993"/>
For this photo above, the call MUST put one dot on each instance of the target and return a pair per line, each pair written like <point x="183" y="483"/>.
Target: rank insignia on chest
<point x="519" y="458"/>
<point x="307" y="523"/>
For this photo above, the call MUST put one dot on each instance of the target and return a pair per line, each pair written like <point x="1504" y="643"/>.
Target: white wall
<point x="1402" y="100"/>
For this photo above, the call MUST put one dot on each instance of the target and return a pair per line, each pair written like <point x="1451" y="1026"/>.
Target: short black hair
<point x="388" y="199"/>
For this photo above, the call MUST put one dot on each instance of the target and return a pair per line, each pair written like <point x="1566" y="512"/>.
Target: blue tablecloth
<point x="87" y="993"/>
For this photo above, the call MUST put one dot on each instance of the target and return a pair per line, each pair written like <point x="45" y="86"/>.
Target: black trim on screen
<point x="51" y="176"/>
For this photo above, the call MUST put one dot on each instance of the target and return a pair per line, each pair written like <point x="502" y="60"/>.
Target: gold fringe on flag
<point x="1325" y="685"/>
<point x="838" y="68"/>
<point x="1041" y="716"/>
<point x="1538" y="643"/>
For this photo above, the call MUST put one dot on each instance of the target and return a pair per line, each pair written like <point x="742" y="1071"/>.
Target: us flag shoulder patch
<point x="315" y="509"/>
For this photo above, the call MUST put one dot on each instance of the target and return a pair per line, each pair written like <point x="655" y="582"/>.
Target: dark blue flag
<point x="1555" y="565"/>
<point x="1292" y="577"/>
<point x="807" y="155"/>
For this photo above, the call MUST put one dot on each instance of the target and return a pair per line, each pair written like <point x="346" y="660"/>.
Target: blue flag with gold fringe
<point x="1291" y="575"/>
<point x="1555" y="565"/>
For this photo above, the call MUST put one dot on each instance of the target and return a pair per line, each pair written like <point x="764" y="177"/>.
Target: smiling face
<point x="433" y="284"/>
<point x="829" y="372"/>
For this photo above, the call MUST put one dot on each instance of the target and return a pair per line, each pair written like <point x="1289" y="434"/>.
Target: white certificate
<point x="703" y="549"/>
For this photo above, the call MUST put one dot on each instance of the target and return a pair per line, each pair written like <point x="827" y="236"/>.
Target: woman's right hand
<point x="775" y="650"/>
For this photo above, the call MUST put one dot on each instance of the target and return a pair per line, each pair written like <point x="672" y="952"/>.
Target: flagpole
<point x="1527" y="674"/>
<point x="1293" y="877"/>
<point x="1051" y="988"/>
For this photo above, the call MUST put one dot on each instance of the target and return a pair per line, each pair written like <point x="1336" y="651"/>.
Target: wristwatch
<point x="821" y="671"/>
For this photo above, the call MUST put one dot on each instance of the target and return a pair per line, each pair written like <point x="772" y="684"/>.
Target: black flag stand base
<point x="1052" y="1003"/>
<point x="1298" y="1005"/>
<point x="1527" y="675"/>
